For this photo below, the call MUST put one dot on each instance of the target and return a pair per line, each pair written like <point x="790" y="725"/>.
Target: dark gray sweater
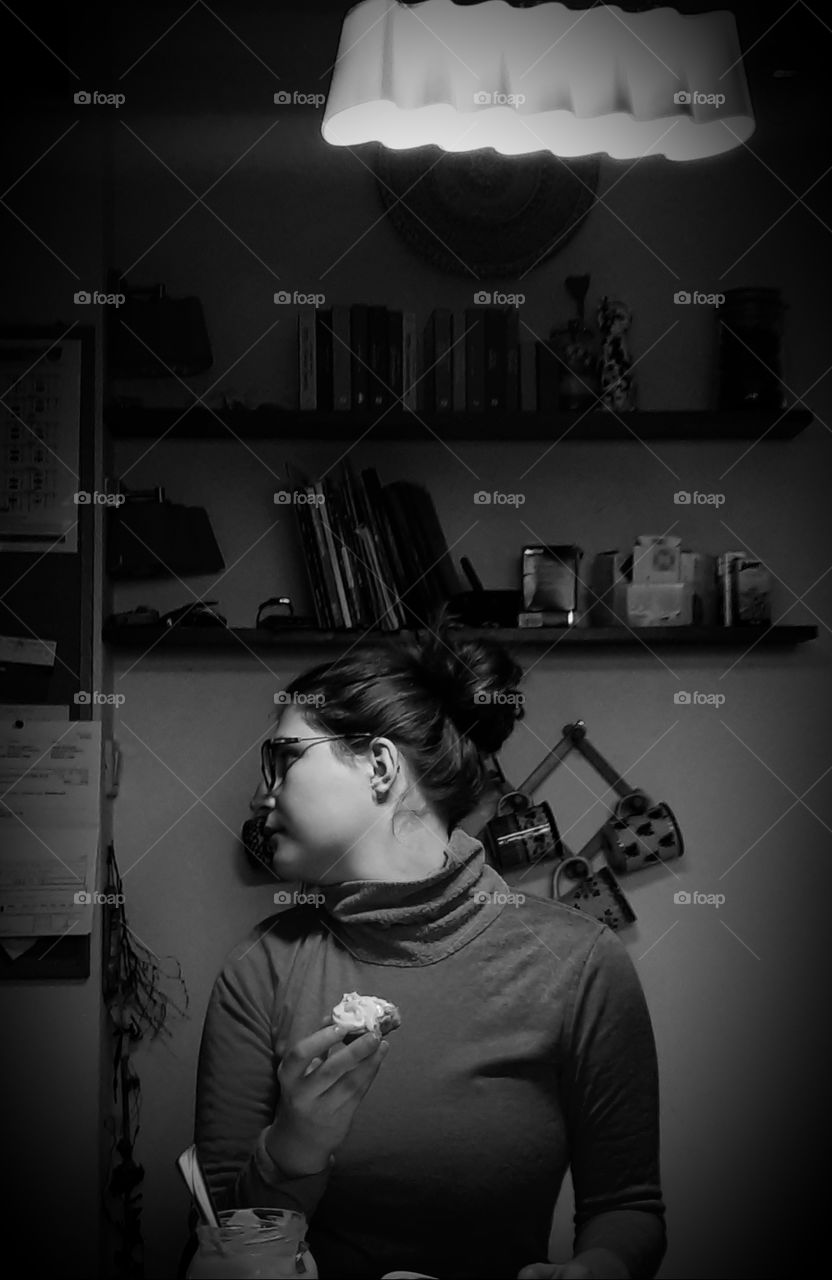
<point x="526" y="1046"/>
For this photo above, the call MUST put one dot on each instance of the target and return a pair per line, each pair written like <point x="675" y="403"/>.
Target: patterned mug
<point x="597" y="894"/>
<point x="523" y="835"/>
<point x="640" y="835"/>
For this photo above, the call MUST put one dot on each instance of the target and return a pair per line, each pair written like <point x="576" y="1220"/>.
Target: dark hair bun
<point x="476" y="682"/>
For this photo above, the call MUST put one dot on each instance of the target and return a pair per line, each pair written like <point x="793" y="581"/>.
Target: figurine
<point x="617" y="384"/>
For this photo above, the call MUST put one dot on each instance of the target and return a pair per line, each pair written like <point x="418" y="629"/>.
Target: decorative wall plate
<point x="480" y="213"/>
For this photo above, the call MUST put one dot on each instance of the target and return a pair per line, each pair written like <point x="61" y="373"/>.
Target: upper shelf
<point x="272" y="422"/>
<point x="137" y="637"/>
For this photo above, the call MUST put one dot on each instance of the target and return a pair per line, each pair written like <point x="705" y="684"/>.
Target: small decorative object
<point x="617" y="384"/>
<point x="576" y="347"/>
<point x="137" y="1004"/>
<point x="481" y="214"/>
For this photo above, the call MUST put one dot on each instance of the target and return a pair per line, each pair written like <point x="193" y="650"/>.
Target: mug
<point x="643" y="838"/>
<point x="599" y="894"/>
<point x="523" y="835"/>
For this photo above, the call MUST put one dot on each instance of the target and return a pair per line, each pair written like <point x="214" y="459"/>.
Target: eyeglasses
<point x="275" y="762"/>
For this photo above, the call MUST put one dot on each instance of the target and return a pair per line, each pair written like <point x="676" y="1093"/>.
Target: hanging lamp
<point x="573" y="82"/>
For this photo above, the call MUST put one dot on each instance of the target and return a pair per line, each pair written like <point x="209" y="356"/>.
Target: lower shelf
<point x="586" y="637"/>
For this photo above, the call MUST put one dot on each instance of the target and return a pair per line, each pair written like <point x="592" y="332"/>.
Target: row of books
<point x="368" y="358"/>
<point x="376" y="556"/>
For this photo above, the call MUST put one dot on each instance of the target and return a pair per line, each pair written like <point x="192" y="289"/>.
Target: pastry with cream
<point x="365" y="1013"/>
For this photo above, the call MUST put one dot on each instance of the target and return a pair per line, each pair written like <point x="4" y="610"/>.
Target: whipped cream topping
<point x="361" y="1013"/>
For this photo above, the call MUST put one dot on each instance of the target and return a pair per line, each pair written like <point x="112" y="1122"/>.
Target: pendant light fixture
<point x="572" y="82"/>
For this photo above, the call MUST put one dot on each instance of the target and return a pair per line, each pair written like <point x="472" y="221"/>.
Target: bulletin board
<point x="49" y="594"/>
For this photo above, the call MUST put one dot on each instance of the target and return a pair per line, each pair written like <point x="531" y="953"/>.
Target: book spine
<point x="394" y="342"/>
<point x="512" y="359"/>
<point x="341" y="359"/>
<point x="377" y="332"/>
<point x="474" y="360"/>
<point x="307" y="376"/>
<point x="310" y="552"/>
<point x="360" y="572"/>
<point x="410" y="367"/>
<point x="323" y="343"/>
<point x="370" y="520"/>
<point x="327" y="578"/>
<point x="428" y="383"/>
<point x="528" y="376"/>
<point x="495" y="359"/>
<point x="458" y="362"/>
<point x="359" y="342"/>
<point x="548" y="378"/>
<point x="339" y="533"/>
<point x="442" y="356"/>
<point x="339" y="599"/>
<point x="386" y="539"/>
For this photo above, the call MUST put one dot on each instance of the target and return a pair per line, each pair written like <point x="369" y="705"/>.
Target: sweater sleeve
<point x="610" y="1092"/>
<point x="237" y="1092"/>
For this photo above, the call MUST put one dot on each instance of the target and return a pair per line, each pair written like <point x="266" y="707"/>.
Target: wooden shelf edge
<point x="576" y="637"/>
<point x="293" y="424"/>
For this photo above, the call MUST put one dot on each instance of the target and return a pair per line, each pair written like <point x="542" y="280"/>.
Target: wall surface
<point x="733" y="991"/>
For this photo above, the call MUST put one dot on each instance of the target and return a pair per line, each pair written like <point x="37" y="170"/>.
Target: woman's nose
<point x="262" y="798"/>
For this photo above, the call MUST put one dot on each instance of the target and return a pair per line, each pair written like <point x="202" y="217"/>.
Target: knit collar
<point x="416" y="922"/>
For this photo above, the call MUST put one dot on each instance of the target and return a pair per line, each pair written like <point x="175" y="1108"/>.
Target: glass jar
<point x="253" y="1244"/>
<point x="751" y="325"/>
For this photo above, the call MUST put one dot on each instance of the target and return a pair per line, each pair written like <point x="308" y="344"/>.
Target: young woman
<point x="525" y="1046"/>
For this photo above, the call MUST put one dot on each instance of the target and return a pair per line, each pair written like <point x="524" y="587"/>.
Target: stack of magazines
<point x="376" y="556"/>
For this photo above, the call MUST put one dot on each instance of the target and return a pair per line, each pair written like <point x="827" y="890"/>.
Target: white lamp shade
<point x="573" y="82"/>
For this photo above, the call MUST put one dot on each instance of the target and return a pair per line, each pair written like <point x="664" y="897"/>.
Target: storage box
<point x="663" y="604"/>
<point x="699" y="570"/>
<point x="608" y="583"/>
<point x="657" y="559"/>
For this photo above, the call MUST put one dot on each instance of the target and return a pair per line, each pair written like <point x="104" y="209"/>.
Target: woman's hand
<point x="321" y="1084"/>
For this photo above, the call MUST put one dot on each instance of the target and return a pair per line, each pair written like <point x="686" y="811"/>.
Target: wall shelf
<point x="134" y="637"/>
<point x="274" y="423"/>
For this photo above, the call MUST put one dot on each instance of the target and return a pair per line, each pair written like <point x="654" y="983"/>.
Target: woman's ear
<point x="386" y="766"/>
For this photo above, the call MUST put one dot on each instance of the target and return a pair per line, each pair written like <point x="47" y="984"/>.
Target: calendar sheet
<point x="40" y="420"/>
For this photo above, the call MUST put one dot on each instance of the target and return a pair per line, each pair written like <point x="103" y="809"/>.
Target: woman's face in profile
<point x="319" y="810"/>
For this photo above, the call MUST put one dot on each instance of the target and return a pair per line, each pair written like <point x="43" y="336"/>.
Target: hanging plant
<point x="136" y="1007"/>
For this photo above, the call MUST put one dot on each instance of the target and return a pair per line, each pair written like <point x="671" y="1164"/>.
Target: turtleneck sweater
<point x="526" y="1047"/>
